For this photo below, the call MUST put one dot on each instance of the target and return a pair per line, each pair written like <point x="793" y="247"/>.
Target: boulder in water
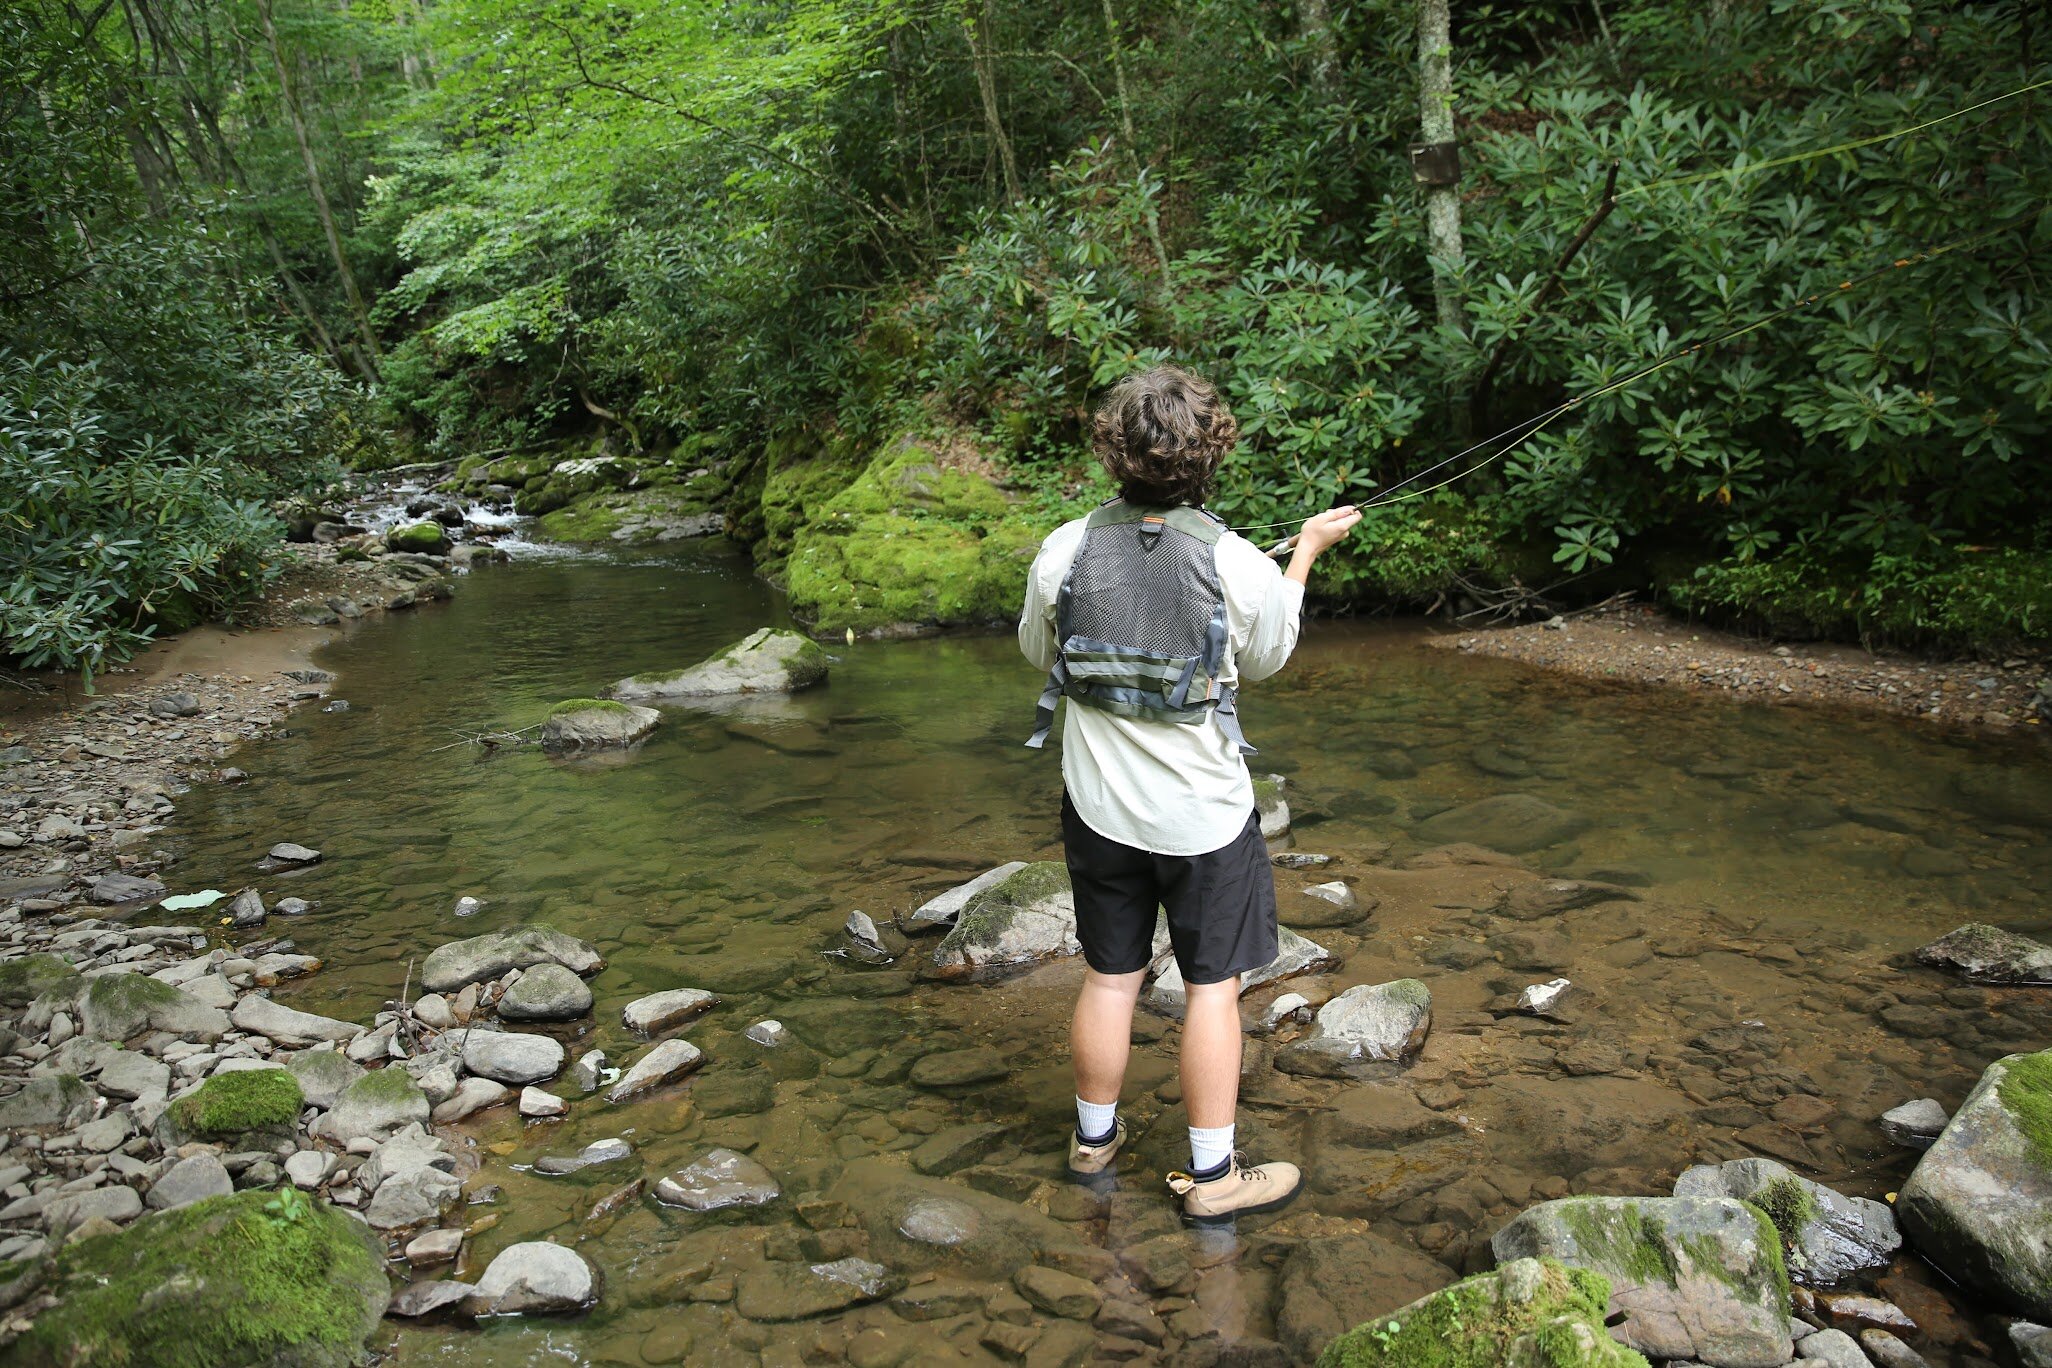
<point x="547" y="992"/>
<point x="1272" y="810"/>
<point x="1529" y="1313"/>
<point x="765" y="661"/>
<point x="1294" y="955"/>
<point x="460" y="963"/>
<point x="1370" y="1023"/>
<point x="1917" y="1124"/>
<point x="664" y="1063"/>
<point x="1330" y="1284"/>
<point x="535" y="1276"/>
<point x="596" y="723"/>
<point x="1513" y="822"/>
<point x="720" y="1180"/>
<point x="1826" y="1236"/>
<point x="661" y="1011"/>
<point x="1975" y="1205"/>
<point x="511" y="1057"/>
<point x="1024" y="918"/>
<point x="1698" y="1278"/>
<point x="1990" y="954"/>
<point x="938" y="913"/>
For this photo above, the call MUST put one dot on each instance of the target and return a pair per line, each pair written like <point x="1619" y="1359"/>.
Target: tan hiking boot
<point x="1094" y="1159"/>
<point x="1236" y="1192"/>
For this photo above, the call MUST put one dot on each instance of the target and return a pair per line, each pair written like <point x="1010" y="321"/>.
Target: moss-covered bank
<point x="254" y="1278"/>
<point x="1531" y="1313"/>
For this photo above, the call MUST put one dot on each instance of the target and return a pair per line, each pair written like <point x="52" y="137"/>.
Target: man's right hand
<point x="1318" y="533"/>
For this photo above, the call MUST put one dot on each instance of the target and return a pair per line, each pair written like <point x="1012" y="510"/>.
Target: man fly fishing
<point x="1147" y="615"/>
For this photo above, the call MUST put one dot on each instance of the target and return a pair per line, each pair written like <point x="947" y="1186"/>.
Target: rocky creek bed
<point x="666" y="1097"/>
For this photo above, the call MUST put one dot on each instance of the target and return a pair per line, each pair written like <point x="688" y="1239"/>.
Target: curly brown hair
<point x="1161" y="434"/>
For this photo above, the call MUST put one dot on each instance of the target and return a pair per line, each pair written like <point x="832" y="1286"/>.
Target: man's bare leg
<point x="1211" y="1052"/>
<point x="1101" y="1037"/>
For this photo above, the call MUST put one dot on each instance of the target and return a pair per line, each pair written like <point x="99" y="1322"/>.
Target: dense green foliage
<point x="752" y="246"/>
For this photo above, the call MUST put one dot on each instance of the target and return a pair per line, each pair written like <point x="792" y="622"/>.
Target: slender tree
<point x="1436" y="124"/>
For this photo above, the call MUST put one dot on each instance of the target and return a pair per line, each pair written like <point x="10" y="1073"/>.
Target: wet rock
<point x="1331" y="1284"/>
<point x="512" y="1057"/>
<point x="933" y="1223"/>
<point x="1886" y="1351"/>
<point x="1529" y="1313"/>
<point x="537" y="1105"/>
<point x="720" y="1180"/>
<point x="1374" y="1118"/>
<point x="291" y="907"/>
<point x="597" y="1152"/>
<point x="1026" y="917"/>
<point x="597" y="724"/>
<point x="1289" y="1007"/>
<point x="1974" y="1204"/>
<point x="190" y="1180"/>
<point x="956" y="1147"/>
<point x="940" y="912"/>
<point x="1270" y="807"/>
<point x="1540" y="999"/>
<point x="1299" y="859"/>
<point x="769" y="1034"/>
<point x="732" y="1093"/>
<point x="2033" y="1344"/>
<point x="1856" y="1311"/>
<point x="960" y="1068"/>
<point x="471" y="1095"/>
<point x="433" y="1247"/>
<point x="534" y="1277"/>
<point x="1990" y="954"/>
<point x="1329" y="904"/>
<point x="1551" y="897"/>
<point x="1697" y="1277"/>
<point x="796" y="1291"/>
<point x="765" y="661"/>
<point x="665" y="1062"/>
<point x="1294" y="955"/>
<point x="428" y="1296"/>
<point x="1833" y="1347"/>
<point x="672" y="1007"/>
<point x="1058" y="1293"/>
<point x="546" y="992"/>
<point x="862" y="940"/>
<point x="1511" y="822"/>
<point x="1385" y="1021"/>
<point x="1827" y="1236"/>
<point x="288" y="1026"/>
<point x="589" y="1070"/>
<point x="292" y="853"/>
<point x="111" y="890"/>
<point x="460" y="963"/>
<point x="1915" y="1125"/>
<point x="248" y="909"/>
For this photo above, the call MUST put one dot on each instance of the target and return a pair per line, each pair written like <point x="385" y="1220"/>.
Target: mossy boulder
<point x="1021" y="919"/>
<point x="1979" y="1204"/>
<point x="921" y="537"/>
<point x="656" y="513"/>
<point x="48" y="1102"/>
<point x="426" y="538"/>
<point x="596" y="724"/>
<point x="451" y="967"/>
<point x="1696" y="1278"/>
<point x="24" y="980"/>
<point x="1530" y="1313"/>
<point x="802" y="477"/>
<point x="254" y="1278"/>
<point x="1826" y="1237"/>
<point x="118" y="1007"/>
<point x="239" y="1102"/>
<point x="764" y="661"/>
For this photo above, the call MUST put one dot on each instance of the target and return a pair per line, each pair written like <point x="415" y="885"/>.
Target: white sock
<point x="1210" y="1148"/>
<point x="1095" y="1118"/>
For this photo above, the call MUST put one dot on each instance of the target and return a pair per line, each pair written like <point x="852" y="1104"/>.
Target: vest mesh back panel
<point x="1159" y="598"/>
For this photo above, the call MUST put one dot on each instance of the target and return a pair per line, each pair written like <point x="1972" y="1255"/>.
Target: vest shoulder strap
<point x="1191" y="522"/>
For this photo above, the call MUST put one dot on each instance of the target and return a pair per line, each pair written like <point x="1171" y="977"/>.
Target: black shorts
<point x="1221" y="904"/>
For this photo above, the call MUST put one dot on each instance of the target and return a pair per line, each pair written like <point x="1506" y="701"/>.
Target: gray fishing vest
<point x="1140" y="622"/>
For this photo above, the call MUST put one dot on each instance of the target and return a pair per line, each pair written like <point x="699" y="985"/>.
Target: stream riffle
<point x="1751" y="996"/>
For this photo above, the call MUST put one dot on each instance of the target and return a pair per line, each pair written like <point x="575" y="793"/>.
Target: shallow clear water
<point x="1784" y="861"/>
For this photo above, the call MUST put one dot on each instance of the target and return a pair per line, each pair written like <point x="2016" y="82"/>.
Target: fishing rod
<point x="1515" y="435"/>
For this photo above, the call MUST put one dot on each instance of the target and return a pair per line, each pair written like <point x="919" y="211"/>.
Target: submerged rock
<point x="1826" y="1236"/>
<point x="719" y="1180"/>
<point x="1515" y="823"/>
<point x="1329" y="904"/>
<point x="939" y="913"/>
<point x="1529" y="1313"/>
<point x="1330" y="1284"/>
<point x="796" y="1291"/>
<point x="596" y="724"/>
<point x="660" y="1011"/>
<point x="1365" y="1024"/>
<point x="1024" y="918"/>
<point x="461" y="963"/>
<point x="1294" y="955"/>
<point x="918" y="1222"/>
<point x="1975" y="1205"/>
<point x="664" y="1063"/>
<point x="223" y="1280"/>
<point x="765" y="661"/>
<point x="1990" y="954"/>
<point x="1697" y="1278"/>
<point x="597" y="1152"/>
<point x="532" y="1277"/>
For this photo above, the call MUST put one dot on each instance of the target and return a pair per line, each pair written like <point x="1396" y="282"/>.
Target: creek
<point x="1783" y="863"/>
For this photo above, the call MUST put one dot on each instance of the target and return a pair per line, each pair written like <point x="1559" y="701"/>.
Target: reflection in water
<point x="1738" y="991"/>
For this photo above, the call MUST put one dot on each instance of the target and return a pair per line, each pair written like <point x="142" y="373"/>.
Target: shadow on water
<point x="1752" y="999"/>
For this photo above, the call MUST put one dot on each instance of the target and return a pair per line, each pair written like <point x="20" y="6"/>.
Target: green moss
<point x="912" y="540"/>
<point x="576" y="705"/>
<point x="1411" y="992"/>
<point x="1788" y="1205"/>
<point x="250" y="1278"/>
<point x="597" y="518"/>
<point x="1267" y="791"/>
<point x="425" y="537"/>
<point x="803" y="477"/>
<point x="28" y="978"/>
<point x="2025" y="1092"/>
<point x="992" y="909"/>
<point x="246" y="1100"/>
<point x="1620" y="1236"/>
<point x="1473" y="1324"/>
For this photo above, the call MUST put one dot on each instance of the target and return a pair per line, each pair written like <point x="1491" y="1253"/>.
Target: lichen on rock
<point x="1530" y="1313"/>
<point x="252" y="1278"/>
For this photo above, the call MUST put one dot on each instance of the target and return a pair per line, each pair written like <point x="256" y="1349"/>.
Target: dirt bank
<point x="1639" y="645"/>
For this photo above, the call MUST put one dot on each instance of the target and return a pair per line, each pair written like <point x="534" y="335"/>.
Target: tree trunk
<point x="1314" y="21"/>
<point x="369" y="350"/>
<point x="1118" y="62"/>
<point x="1442" y="202"/>
<point x="978" y="33"/>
